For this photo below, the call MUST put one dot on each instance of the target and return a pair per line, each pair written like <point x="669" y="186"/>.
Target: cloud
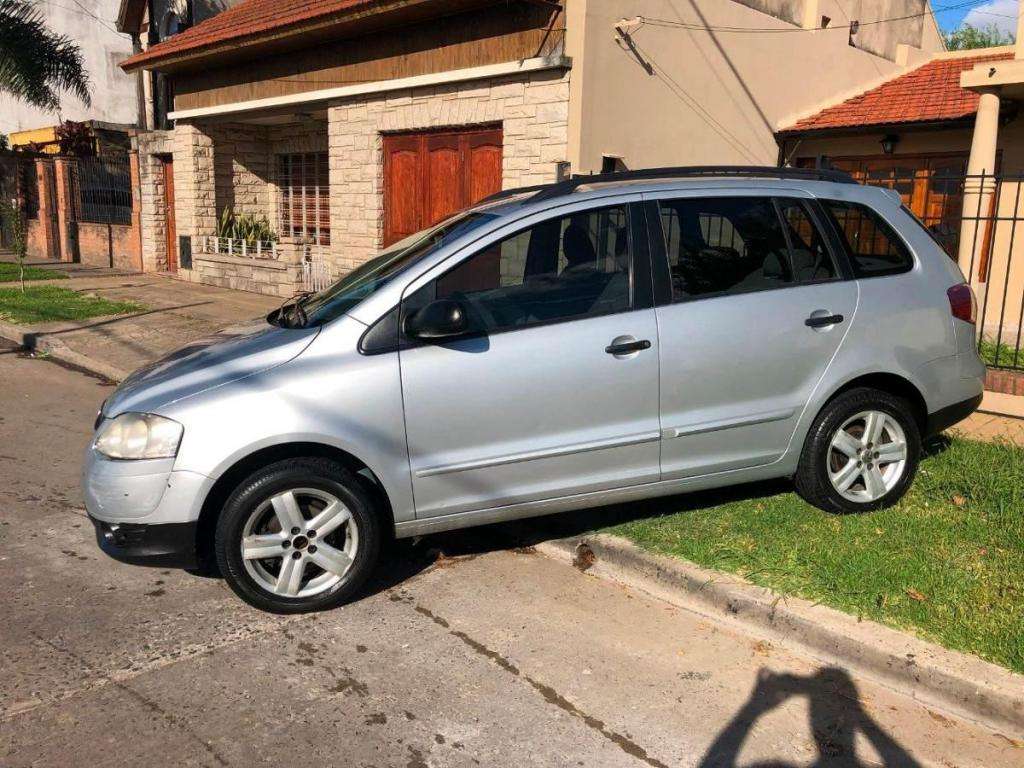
<point x="1002" y="13"/>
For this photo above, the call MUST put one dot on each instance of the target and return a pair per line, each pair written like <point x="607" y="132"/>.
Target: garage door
<point x="430" y="176"/>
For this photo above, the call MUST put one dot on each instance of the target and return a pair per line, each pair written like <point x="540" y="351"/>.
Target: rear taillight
<point x="962" y="303"/>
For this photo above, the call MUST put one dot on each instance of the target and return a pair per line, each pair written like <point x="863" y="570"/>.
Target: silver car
<point x="595" y="341"/>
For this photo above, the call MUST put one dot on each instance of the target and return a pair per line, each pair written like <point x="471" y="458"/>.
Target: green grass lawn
<point x="46" y="303"/>
<point x="1004" y="354"/>
<point x="946" y="563"/>
<point x="9" y="273"/>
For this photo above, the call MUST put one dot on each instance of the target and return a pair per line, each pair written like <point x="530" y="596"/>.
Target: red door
<point x="428" y="176"/>
<point x="170" y="226"/>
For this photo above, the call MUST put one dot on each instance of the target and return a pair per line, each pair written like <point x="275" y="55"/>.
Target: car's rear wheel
<point x="299" y="535"/>
<point x="861" y="453"/>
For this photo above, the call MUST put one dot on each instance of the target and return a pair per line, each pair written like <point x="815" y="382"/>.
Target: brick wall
<point x="533" y="114"/>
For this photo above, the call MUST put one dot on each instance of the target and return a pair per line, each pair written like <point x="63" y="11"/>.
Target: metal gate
<point x="979" y="222"/>
<point x="316" y="269"/>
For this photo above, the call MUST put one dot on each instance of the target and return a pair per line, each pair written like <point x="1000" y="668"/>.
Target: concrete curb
<point x="958" y="683"/>
<point x="58" y="350"/>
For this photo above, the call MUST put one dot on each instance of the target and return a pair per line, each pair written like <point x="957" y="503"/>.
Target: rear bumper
<point x="944" y="418"/>
<point x="168" y="545"/>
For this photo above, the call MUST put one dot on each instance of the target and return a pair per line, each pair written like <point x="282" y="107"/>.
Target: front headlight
<point x="139" y="436"/>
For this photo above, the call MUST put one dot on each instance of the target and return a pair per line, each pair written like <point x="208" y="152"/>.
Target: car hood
<point x="227" y="356"/>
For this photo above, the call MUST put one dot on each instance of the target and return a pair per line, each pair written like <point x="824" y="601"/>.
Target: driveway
<point x="464" y="651"/>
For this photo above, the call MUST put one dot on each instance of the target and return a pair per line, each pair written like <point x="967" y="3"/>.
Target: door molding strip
<point x="720" y="424"/>
<point x="548" y="453"/>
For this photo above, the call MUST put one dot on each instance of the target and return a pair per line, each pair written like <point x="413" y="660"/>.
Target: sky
<point x="1002" y="13"/>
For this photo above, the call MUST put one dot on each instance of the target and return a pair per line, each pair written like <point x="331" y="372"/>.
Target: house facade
<point x="337" y="128"/>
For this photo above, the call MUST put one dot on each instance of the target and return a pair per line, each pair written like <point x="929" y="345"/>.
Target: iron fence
<point x="978" y="219"/>
<point x="102" y="189"/>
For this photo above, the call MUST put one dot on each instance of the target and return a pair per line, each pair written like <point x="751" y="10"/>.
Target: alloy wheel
<point x="299" y="543"/>
<point x="867" y="456"/>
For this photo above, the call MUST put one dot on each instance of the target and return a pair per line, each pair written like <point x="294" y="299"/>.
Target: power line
<point x="697" y="27"/>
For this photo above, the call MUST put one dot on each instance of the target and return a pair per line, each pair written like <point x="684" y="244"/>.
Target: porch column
<point x="977" y="192"/>
<point x="49" y="248"/>
<point x="136" y="187"/>
<point x="67" y="226"/>
<point x="195" y="201"/>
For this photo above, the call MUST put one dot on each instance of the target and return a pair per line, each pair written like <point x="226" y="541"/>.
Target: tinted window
<point x="811" y="259"/>
<point x="570" y="267"/>
<point x="874" y="248"/>
<point x="370" y="277"/>
<point x="722" y="245"/>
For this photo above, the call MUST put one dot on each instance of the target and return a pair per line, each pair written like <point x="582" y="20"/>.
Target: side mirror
<point x="441" y="319"/>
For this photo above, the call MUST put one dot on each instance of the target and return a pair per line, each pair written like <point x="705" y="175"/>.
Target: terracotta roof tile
<point x="929" y="93"/>
<point x="248" y="18"/>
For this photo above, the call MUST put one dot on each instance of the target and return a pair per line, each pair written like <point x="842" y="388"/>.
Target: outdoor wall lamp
<point x="889" y="143"/>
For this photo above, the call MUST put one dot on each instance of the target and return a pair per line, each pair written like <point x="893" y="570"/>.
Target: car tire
<point x="845" y="469"/>
<point x="275" y="512"/>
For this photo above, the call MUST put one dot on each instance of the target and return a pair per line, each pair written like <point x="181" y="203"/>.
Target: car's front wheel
<point x="299" y="535"/>
<point x="861" y="453"/>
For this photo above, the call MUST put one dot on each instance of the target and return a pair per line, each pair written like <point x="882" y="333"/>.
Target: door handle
<point x="820" y="321"/>
<point x="626" y="347"/>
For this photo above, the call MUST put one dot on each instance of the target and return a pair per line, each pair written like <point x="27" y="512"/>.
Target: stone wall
<point x="533" y="113"/>
<point x="152" y="197"/>
<point x="268" y="276"/>
<point x="241" y="164"/>
<point x="195" y="197"/>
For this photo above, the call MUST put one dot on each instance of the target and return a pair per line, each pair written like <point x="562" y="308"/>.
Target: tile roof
<point x="246" y="19"/>
<point x="929" y="93"/>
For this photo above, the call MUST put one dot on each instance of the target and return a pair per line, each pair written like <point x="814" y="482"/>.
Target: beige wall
<point x="711" y="97"/>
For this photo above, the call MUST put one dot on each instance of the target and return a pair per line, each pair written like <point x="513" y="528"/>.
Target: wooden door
<point x="170" y="227"/>
<point x="428" y="176"/>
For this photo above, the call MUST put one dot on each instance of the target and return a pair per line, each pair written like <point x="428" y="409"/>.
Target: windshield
<point x="379" y="271"/>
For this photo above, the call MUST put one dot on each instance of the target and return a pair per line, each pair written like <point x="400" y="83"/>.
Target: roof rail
<point x="545" y="191"/>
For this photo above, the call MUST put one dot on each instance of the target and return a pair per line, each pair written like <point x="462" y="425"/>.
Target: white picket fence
<point x="227" y="246"/>
<point x="317" y="274"/>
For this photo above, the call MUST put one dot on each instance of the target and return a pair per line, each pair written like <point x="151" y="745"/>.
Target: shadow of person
<point x="836" y="716"/>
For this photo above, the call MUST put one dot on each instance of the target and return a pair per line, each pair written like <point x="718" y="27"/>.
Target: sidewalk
<point x="990" y="427"/>
<point x="178" y="313"/>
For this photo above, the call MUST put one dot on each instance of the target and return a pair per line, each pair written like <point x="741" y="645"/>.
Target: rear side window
<point x="812" y="259"/>
<point x="724" y="245"/>
<point x="873" y="246"/>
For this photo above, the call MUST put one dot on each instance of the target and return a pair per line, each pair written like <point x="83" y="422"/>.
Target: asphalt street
<point x="465" y="650"/>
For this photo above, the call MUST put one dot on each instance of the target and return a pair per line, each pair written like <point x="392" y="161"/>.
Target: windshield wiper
<point x="291" y="314"/>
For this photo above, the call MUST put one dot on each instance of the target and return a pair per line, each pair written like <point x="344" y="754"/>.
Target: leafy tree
<point x="36" y="64"/>
<point x="967" y="37"/>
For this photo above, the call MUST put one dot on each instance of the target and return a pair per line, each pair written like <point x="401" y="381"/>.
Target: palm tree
<point x="36" y="64"/>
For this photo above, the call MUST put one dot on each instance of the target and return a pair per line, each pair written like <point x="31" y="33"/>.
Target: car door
<point x="555" y="390"/>
<point x="755" y="308"/>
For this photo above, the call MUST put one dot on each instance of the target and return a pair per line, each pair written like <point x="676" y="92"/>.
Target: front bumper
<point x="147" y="492"/>
<point x="171" y="545"/>
<point x="144" y="512"/>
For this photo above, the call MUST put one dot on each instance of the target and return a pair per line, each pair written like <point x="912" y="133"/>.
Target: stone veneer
<point x="233" y="164"/>
<point x="152" y="200"/>
<point x="533" y="113"/>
